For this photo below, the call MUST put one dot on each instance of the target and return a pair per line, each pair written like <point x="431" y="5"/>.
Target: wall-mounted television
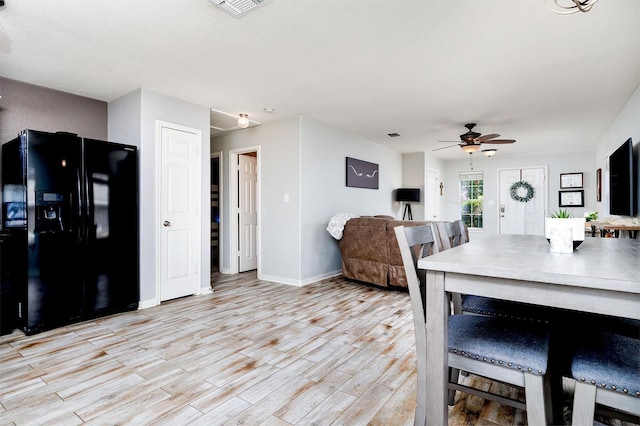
<point x="623" y="181"/>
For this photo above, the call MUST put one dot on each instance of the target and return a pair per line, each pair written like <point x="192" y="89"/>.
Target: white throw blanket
<point x="337" y="222"/>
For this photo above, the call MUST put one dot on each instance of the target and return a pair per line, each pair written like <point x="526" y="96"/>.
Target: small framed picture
<point x="570" y="180"/>
<point x="571" y="198"/>
<point x="599" y="185"/>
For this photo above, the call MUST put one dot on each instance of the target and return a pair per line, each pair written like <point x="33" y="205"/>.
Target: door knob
<point x="166" y="223"/>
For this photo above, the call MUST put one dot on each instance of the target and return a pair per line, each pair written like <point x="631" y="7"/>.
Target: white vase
<point x="571" y="230"/>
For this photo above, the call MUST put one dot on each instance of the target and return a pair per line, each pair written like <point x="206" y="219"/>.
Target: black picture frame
<point x="571" y="180"/>
<point x="362" y="174"/>
<point x="571" y="198"/>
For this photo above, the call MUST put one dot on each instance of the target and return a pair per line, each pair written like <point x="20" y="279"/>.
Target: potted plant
<point x="589" y="216"/>
<point x="562" y="224"/>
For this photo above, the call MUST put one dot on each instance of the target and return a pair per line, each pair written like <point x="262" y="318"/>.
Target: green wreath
<point x="515" y="195"/>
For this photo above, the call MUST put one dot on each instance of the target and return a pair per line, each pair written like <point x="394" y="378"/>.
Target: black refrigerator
<point x="70" y="210"/>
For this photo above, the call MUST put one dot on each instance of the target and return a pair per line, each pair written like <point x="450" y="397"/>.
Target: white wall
<point x="626" y="125"/>
<point x="132" y="120"/>
<point x="306" y="160"/>
<point x="278" y="174"/>
<point x="414" y="175"/>
<point x="324" y="192"/>
<point x="558" y="163"/>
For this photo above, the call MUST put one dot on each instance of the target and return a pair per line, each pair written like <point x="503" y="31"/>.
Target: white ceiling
<point x="421" y="68"/>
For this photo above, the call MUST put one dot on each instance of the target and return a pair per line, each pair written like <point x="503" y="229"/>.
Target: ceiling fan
<point x="471" y="141"/>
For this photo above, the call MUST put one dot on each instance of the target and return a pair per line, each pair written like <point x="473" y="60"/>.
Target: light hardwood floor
<point x="252" y="352"/>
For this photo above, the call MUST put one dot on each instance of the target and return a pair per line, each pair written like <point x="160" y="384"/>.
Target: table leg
<point x="437" y="344"/>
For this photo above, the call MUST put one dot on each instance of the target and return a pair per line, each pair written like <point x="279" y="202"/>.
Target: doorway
<point x="517" y="217"/>
<point x="432" y="198"/>
<point x="244" y="210"/>
<point x="215" y="212"/>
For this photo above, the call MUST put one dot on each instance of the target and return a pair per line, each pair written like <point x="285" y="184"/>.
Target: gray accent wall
<point x="26" y="106"/>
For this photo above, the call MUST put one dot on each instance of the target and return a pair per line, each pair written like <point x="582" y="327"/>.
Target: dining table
<point x="628" y="230"/>
<point x="601" y="276"/>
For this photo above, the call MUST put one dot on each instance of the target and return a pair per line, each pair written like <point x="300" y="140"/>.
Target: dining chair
<point x="452" y="234"/>
<point x="508" y="351"/>
<point x="464" y="231"/>
<point x="606" y="369"/>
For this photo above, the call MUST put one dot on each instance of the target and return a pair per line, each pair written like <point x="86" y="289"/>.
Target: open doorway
<point x="215" y="213"/>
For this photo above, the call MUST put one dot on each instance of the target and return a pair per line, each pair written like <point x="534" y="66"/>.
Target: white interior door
<point x="432" y="196"/>
<point x="247" y="212"/>
<point x="179" y="212"/>
<point x="519" y="217"/>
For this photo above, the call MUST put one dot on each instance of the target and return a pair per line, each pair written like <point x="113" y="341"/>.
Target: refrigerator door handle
<point x="78" y="224"/>
<point x="79" y="193"/>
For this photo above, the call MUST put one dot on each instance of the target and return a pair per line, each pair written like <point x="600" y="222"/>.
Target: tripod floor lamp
<point x="408" y="196"/>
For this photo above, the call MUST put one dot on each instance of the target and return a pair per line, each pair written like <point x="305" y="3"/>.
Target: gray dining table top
<point x="601" y="263"/>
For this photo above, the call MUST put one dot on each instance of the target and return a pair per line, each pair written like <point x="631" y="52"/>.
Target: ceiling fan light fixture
<point x="565" y="7"/>
<point x="243" y="121"/>
<point x="489" y="152"/>
<point x="470" y="148"/>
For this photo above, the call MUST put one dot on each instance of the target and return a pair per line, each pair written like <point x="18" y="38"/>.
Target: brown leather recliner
<point x="370" y="251"/>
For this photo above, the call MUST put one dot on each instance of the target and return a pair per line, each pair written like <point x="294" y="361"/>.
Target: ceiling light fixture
<point x="489" y="152"/>
<point x="470" y="148"/>
<point x="243" y="121"/>
<point x="565" y="7"/>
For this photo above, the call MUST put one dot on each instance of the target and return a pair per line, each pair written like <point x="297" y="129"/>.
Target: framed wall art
<point x="570" y="180"/>
<point x="571" y="198"/>
<point x="362" y="174"/>
<point x="599" y="185"/>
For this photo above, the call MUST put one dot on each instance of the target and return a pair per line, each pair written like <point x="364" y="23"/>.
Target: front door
<point x="518" y="217"/>
<point x="180" y="211"/>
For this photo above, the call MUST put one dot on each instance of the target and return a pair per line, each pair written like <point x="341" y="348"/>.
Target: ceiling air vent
<point x="237" y="8"/>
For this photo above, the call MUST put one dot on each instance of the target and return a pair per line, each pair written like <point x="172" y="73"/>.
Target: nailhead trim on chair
<point x="510" y="308"/>
<point x="492" y="361"/>
<point x="613" y="387"/>
<point x="609" y="362"/>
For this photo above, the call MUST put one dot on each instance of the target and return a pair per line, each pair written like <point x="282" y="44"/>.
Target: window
<point x="471" y="196"/>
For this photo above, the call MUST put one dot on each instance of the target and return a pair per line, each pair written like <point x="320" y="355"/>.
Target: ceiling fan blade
<point x="497" y="141"/>
<point x="487" y="137"/>
<point x="445" y="147"/>
<point x="449" y="142"/>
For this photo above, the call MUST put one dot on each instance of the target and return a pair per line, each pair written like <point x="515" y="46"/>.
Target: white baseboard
<point x="321" y="277"/>
<point x="299" y="283"/>
<point x="205" y="290"/>
<point x="150" y="303"/>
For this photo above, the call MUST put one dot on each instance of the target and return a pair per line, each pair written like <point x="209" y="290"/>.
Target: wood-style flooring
<point x="250" y="353"/>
